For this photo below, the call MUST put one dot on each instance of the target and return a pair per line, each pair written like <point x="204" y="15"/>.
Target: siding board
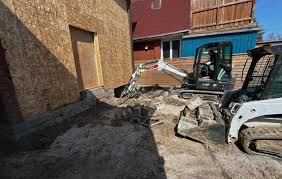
<point x="241" y="42"/>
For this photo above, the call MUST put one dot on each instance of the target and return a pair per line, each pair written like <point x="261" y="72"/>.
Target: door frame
<point x="97" y="56"/>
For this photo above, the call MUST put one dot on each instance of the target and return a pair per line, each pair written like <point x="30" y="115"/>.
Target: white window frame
<point x="152" y="5"/>
<point x="170" y="46"/>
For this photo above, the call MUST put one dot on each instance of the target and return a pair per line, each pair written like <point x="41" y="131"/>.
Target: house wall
<point x="153" y="51"/>
<point x="171" y="17"/>
<point x="37" y="40"/>
<point x="241" y="42"/>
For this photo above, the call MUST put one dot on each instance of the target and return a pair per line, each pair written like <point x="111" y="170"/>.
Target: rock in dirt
<point x="194" y="102"/>
<point x="184" y="124"/>
<point x="205" y="114"/>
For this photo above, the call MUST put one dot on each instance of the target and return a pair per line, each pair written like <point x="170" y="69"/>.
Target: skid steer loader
<point x="251" y="115"/>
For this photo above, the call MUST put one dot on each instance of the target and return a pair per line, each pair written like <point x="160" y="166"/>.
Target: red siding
<point x="173" y="16"/>
<point x="153" y="52"/>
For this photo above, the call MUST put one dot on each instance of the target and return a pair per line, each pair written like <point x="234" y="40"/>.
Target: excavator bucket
<point x="213" y="134"/>
<point x="201" y="121"/>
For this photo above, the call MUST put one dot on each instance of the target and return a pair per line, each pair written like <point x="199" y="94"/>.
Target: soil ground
<point x="102" y="144"/>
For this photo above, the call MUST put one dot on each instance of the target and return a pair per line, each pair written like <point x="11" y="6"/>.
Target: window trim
<point x="170" y="46"/>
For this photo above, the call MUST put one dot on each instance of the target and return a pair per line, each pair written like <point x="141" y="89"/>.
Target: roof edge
<point x="270" y="41"/>
<point x="223" y="32"/>
<point x="159" y="35"/>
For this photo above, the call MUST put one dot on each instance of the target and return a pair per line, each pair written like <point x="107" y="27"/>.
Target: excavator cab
<point x="212" y="67"/>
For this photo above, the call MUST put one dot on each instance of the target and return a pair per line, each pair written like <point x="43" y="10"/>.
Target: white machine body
<point x="248" y="114"/>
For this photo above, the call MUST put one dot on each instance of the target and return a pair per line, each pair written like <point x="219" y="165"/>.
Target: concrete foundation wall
<point x="36" y="36"/>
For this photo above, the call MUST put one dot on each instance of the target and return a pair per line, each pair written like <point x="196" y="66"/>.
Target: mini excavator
<point x="211" y="71"/>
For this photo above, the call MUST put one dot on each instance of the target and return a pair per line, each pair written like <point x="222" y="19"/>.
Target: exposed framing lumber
<point x="221" y="15"/>
<point x="201" y="26"/>
<point x="100" y="81"/>
<point x="233" y="21"/>
<point x="222" y="23"/>
<point x="223" y="5"/>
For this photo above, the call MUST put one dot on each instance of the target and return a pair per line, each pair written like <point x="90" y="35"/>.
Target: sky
<point x="269" y="15"/>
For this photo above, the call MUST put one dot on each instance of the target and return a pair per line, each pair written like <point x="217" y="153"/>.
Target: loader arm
<point x="251" y="110"/>
<point x="158" y="65"/>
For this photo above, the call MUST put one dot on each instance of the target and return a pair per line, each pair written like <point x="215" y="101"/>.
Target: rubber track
<point x="249" y="135"/>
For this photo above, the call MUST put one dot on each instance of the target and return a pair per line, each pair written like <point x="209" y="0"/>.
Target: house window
<point x="166" y="49"/>
<point x="170" y="49"/>
<point x="175" y="49"/>
<point x="156" y="4"/>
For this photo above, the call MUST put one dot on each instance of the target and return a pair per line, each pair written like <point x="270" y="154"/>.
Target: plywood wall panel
<point x="36" y="35"/>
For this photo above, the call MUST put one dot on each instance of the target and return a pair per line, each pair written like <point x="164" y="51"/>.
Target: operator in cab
<point x="211" y="64"/>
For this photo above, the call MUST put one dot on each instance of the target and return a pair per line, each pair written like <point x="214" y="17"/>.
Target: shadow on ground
<point x="100" y="143"/>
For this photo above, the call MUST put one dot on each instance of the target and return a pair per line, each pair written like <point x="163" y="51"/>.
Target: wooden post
<point x="253" y="10"/>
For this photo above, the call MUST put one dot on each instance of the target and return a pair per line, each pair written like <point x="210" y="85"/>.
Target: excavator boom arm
<point x="158" y="65"/>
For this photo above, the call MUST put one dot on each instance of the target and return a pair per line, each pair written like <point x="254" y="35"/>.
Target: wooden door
<point x="84" y="56"/>
<point x="9" y="107"/>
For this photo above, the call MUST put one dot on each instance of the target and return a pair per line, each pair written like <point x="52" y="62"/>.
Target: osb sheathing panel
<point x="109" y="19"/>
<point x="39" y="52"/>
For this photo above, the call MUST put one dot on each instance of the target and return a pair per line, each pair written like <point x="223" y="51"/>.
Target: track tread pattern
<point x="248" y="135"/>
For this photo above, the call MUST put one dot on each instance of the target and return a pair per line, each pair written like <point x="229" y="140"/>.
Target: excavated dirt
<point x="102" y="143"/>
